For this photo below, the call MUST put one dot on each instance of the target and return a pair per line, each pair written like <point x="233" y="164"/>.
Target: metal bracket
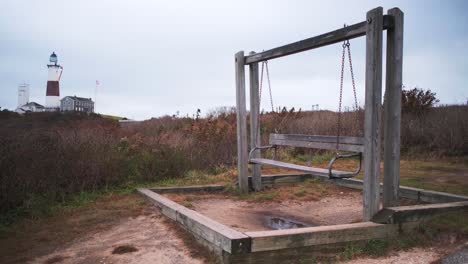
<point x="262" y="147"/>
<point x="331" y="175"/>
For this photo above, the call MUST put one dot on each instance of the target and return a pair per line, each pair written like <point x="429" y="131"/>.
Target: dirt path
<point x="144" y="239"/>
<point x="115" y="229"/>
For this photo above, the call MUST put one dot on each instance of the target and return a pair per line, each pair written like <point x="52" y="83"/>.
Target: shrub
<point x="50" y="156"/>
<point x="417" y="100"/>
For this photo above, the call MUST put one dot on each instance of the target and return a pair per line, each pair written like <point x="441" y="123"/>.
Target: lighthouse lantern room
<point x="53" y="88"/>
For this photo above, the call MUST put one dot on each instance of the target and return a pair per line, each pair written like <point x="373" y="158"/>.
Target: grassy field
<point x="449" y="174"/>
<point x="92" y="212"/>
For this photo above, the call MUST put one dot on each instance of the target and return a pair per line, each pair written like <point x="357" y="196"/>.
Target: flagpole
<point x="95" y="96"/>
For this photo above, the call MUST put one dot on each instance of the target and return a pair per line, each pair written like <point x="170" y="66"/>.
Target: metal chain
<point x="346" y="46"/>
<point x="356" y="105"/>
<point x="352" y="75"/>
<point x="269" y="86"/>
<point x="341" y="97"/>
<point x="260" y="88"/>
<point x="265" y="65"/>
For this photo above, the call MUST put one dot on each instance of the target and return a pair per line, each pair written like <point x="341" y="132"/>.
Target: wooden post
<point x="392" y="111"/>
<point x="255" y="139"/>
<point x="242" y="151"/>
<point x="371" y="191"/>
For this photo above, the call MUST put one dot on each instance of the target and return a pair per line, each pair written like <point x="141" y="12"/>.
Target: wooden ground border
<point x="232" y="244"/>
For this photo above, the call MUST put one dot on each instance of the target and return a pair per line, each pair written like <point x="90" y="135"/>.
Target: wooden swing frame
<point x="372" y="28"/>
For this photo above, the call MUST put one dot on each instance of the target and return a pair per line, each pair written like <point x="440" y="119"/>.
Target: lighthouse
<point x="52" y="102"/>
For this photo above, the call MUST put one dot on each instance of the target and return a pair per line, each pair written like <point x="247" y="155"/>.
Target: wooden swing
<point x="353" y="145"/>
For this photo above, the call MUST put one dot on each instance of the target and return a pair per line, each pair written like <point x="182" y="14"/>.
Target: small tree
<point x="417" y="100"/>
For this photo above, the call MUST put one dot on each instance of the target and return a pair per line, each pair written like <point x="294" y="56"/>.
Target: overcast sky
<point x="159" y="57"/>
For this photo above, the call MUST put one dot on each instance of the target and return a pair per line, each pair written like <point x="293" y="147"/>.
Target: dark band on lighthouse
<point x="53" y="88"/>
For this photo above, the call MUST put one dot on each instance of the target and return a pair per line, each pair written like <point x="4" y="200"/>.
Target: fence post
<point x="242" y="151"/>
<point x="371" y="188"/>
<point x="255" y="139"/>
<point x="392" y="109"/>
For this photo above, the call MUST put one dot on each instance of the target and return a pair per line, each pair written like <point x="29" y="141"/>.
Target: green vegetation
<point x="317" y="158"/>
<point x="42" y="206"/>
<point x="111" y="117"/>
<point x="380" y="247"/>
<point x="426" y="235"/>
<point x="39" y="206"/>
<point x="50" y="160"/>
<point x="455" y="222"/>
<point x="301" y="192"/>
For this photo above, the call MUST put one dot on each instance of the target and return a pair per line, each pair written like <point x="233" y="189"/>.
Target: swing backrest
<point x="352" y="144"/>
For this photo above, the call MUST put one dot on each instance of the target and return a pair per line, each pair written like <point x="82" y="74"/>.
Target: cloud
<point x="159" y="57"/>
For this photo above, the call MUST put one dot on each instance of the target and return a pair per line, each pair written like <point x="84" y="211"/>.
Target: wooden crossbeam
<point x="415" y="213"/>
<point x="349" y="32"/>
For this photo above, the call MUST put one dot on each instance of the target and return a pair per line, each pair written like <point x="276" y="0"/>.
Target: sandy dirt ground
<point x="340" y="208"/>
<point x="124" y="229"/>
<point x="112" y="229"/>
<point x="150" y="237"/>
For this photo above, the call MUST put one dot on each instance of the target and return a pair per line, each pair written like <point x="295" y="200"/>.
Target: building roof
<point x="76" y="98"/>
<point x="33" y="104"/>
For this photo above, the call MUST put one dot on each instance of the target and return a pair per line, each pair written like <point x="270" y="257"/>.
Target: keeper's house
<point x="77" y="104"/>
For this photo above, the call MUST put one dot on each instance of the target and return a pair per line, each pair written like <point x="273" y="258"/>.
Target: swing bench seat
<point x="290" y="166"/>
<point x="350" y="144"/>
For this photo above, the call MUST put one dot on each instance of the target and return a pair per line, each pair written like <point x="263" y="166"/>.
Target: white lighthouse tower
<point x="52" y="102"/>
<point x="23" y="94"/>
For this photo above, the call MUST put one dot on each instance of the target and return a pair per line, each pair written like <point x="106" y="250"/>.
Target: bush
<point x="417" y="100"/>
<point x="48" y="157"/>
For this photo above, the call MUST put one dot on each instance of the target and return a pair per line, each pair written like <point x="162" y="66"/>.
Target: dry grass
<point x="31" y="238"/>
<point x="309" y="190"/>
<point x="47" y="158"/>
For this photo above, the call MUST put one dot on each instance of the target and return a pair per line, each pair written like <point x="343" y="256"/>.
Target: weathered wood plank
<point x="222" y="236"/>
<point x="372" y="118"/>
<point x="216" y="233"/>
<point x="429" y="196"/>
<point x="416" y="213"/>
<point x="349" y="32"/>
<point x="167" y="206"/>
<point x="309" y="236"/>
<point x="242" y="150"/>
<point x="255" y="124"/>
<point x="186" y="189"/>
<point x="316" y="145"/>
<point x="318" y="138"/>
<point x="392" y="109"/>
<point x="285" y="165"/>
